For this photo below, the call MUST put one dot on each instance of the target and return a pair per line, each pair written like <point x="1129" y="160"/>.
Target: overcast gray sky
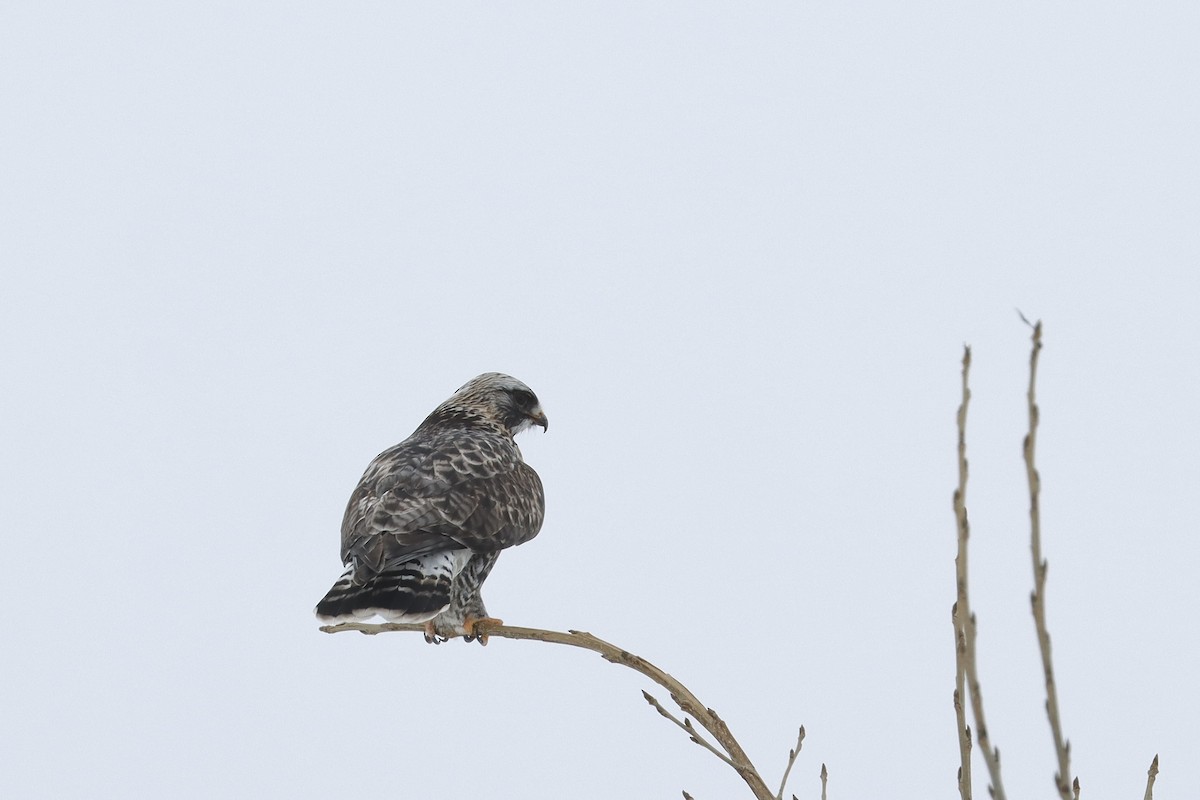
<point x="735" y="248"/>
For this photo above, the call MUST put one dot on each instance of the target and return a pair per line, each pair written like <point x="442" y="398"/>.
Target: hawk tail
<point x="411" y="591"/>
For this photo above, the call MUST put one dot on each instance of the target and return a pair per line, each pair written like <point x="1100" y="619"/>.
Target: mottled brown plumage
<point x="430" y="516"/>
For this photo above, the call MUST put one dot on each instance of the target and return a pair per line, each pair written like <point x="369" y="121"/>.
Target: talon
<point x="470" y="623"/>
<point x="431" y="634"/>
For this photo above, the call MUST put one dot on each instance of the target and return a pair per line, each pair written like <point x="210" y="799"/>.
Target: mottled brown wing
<point x="443" y="490"/>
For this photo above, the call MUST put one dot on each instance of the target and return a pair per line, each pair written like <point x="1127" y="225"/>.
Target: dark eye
<point x="524" y="399"/>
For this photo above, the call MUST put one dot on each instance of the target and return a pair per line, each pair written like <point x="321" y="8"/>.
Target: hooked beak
<point x="539" y="418"/>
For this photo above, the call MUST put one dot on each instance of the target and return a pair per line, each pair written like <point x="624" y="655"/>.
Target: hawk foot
<point x="433" y="635"/>
<point x="470" y="623"/>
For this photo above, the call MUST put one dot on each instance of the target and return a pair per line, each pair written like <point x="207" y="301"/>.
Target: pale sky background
<point x="735" y="248"/>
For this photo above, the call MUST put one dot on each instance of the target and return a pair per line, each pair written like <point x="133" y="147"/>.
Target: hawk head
<point x="493" y="398"/>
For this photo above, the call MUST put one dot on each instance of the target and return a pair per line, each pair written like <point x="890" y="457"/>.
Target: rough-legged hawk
<point x="430" y="516"/>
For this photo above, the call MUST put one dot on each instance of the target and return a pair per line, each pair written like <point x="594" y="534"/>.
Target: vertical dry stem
<point x="1062" y="748"/>
<point x="792" y="754"/>
<point x="1151" y="774"/>
<point x="964" y="623"/>
<point x="960" y="641"/>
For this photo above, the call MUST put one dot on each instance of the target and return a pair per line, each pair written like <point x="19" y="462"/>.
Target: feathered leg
<point x="466" y="605"/>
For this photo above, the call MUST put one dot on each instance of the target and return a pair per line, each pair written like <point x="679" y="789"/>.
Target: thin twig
<point x="680" y="694"/>
<point x="824" y="781"/>
<point x="791" y="760"/>
<point x="1151" y="774"/>
<point x="964" y="625"/>
<point x="960" y="602"/>
<point x="960" y="712"/>
<point x="688" y="728"/>
<point x="1062" y="748"/>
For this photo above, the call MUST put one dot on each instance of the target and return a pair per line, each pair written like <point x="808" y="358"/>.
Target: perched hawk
<point x="430" y="516"/>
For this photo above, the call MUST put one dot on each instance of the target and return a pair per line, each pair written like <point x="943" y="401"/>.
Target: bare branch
<point x="1151" y="774"/>
<point x="688" y="728"/>
<point x="791" y="760"/>
<point x="964" y="625"/>
<point x="687" y="796"/>
<point x="824" y="781"/>
<point x="680" y="694"/>
<point x="960" y="639"/>
<point x="1062" y="779"/>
